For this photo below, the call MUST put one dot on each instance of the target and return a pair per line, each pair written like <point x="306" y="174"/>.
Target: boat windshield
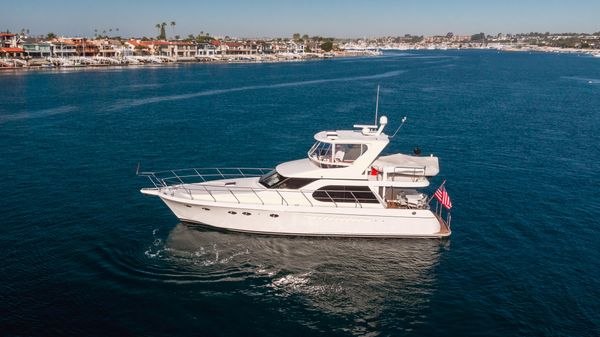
<point x="330" y="155"/>
<point x="271" y="179"/>
<point x="276" y="180"/>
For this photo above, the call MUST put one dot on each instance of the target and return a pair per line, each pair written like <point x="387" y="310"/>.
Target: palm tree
<point x="163" y="35"/>
<point x="157" y="26"/>
<point x="173" y="23"/>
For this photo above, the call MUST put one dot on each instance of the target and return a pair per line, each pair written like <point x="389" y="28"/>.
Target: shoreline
<point x="96" y="63"/>
<point x="78" y="62"/>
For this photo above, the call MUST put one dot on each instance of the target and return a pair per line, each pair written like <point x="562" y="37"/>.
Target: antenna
<point x="398" y="129"/>
<point x="377" y="105"/>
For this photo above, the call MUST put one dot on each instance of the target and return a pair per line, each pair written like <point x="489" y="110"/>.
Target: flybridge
<point x="373" y="130"/>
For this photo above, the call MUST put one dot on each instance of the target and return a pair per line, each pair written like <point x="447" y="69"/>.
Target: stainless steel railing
<point x="415" y="172"/>
<point x="440" y="210"/>
<point x="196" y="184"/>
<point x="196" y="175"/>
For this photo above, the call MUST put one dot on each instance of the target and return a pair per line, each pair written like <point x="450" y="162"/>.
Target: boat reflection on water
<point x="357" y="279"/>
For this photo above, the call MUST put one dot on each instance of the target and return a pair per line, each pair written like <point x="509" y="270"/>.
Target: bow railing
<point x="199" y="175"/>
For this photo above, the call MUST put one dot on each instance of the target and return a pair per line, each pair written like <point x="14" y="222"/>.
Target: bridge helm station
<point x="342" y="148"/>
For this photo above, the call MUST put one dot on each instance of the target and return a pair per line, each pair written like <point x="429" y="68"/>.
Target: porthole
<point x="273" y="215"/>
<point x="414" y="213"/>
<point x="206" y="209"/>
<point x="186" y="205"/>
<point x="247" y="213"/>
<point x="232" y="212"/>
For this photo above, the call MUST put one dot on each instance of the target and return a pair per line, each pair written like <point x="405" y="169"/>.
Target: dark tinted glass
<point x="334" y="193"/>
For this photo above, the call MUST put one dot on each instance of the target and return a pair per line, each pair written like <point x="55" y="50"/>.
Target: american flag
<point x="442" y="195"/>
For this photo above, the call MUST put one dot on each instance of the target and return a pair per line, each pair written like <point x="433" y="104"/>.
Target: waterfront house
<point x="62" y="49"/>
<point x="112" y="48"/>
<point x="184" y="49"/>
<point x="266" y="47"/>
<point x="36" y="49"/>
<point x="295" y="48"/>
<point x="236" y="48"/>
<point x="137" y="48"/>
<point x="6" y="52"/>
<point x="85" y="47"/>
<point x="220" y="47"/>
<point x="8" y="40"/>
<point x="9" y="45"/>
<point x="206" y="49"/>
<point x="162" y="48"/>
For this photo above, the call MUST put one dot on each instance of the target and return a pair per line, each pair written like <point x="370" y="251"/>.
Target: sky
<point x="272" y="18"/>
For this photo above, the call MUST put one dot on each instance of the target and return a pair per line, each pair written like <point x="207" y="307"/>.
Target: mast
<point x="377" y="105"/>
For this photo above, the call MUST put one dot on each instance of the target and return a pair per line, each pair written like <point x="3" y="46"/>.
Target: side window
<point x="350" y="194"/>
<point x="295" y="183"/>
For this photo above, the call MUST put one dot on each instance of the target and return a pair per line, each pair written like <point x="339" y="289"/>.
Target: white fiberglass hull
<point x="310" y="221"/>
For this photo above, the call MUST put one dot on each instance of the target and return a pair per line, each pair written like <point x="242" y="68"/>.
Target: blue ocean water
<point x="84" y="253"/>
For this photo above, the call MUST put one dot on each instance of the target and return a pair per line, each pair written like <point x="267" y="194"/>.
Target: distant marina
<point x="20" y="51"/>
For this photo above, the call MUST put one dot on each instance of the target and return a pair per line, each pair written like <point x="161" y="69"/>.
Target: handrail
<point x="357" y="202"/>
<point x="172" y="181"/>
<point x="390" y="172"/>
<point x="174" y="177"/>
<point x="439" y="211"/>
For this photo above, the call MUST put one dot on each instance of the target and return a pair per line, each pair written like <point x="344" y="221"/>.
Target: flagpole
<point x="431" y="198"/>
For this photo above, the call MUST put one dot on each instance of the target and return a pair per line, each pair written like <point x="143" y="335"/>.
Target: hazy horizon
<point x="269" y="18"/>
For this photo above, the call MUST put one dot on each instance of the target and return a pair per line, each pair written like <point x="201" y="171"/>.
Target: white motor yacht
<point x="344" y="187"/>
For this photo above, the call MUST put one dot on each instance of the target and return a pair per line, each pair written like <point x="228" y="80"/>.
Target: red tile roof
<point x="7" y="34"/>
<point x="11" y="50"/>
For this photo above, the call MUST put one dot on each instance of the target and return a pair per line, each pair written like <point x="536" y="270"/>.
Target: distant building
<point x="9" y="45"/>
<point x="206" y="49"/>
<point x="112" y="48"/>
<point x="163" y="48"/>
<point x="36" y="49"/>
<point x="62" y="49"/>
<point x="8" y="40"/>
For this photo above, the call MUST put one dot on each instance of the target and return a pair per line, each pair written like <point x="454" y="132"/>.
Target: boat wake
<point x="582" y="79"/>
<point x="127" y="103"/>
<point x="347" y="277"/>
<point x="37" y="113"/>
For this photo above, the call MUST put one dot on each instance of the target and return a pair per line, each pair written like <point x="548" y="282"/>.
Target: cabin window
<point x="329" y="155"/>
<point x="276" y="180"/>
<point x="348" y="153"/>
<point x="350" y="194"/>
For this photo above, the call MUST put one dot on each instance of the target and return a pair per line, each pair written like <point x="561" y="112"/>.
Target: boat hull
<point x="311" y="221"/>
